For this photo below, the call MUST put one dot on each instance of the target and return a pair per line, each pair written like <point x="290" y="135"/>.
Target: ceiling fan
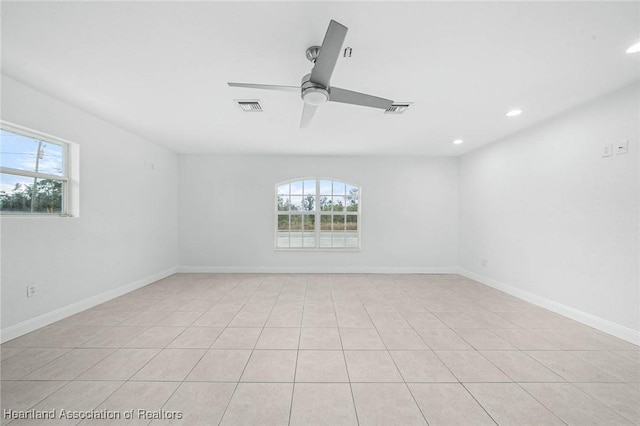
<point x="315" y="88"/>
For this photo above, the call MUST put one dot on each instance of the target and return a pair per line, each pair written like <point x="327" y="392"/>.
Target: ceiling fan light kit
<point x="313" y="93"/>
<point x="315" y="88"/>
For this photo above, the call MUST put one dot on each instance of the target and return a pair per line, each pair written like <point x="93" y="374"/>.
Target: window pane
<point x="325" y="204"/>
<point x="338" y="204"/>
<point x="353" y="199"/>
<point x="309" y="187"/>
<point x="16" y="195"/>
<point x="339" y="188"/>
<point x="352" y="222"/>
<point x="309" y="240"/>
<point x="48" y="196"/>
<point x="26" y="153"/>
<point x="296" y="222"/>
<point x="295" y="236"/>
<point x="283" y="203"/>
<point x="309" y="222"/>
<point x="283" y="240"/>
<point x="309" y="203"/>
<point x="283" y="189"/>
<point x="295" y="240"/>
<point x="296" y="188"/>
<point x="338" y="231"/>
<point x="296" y="202"/>
<point x="325" y="222"/>
<point x="325" y="187"/>
<point x="351" y="236"/>
<point x="309" y="233"/>
<point x="338" y="240"/>
<point x="325" y="239"/>
<point x="283" y="222"/>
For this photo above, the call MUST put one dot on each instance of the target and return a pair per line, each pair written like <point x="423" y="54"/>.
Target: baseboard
<point x="32" y="324"/>
<point x="317" y="270"/>
<point x="609" y="327"/>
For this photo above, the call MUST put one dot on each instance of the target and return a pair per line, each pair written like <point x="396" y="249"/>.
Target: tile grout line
<point x="293" y="388"/>
<point x="541" y="403"/>
<point x="23" y="377"/>
<point x="630" y="419"/>
<point x="344" y="358"/>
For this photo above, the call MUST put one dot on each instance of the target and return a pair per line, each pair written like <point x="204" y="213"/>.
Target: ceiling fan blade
<point x="266" y="87"/>
<point x="329" y="52"/>
<point x="356" y="98"/>
<point x="307" y="114"/>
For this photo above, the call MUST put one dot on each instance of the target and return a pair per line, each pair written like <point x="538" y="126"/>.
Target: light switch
<point x="622" y="147"/>
<point x="606" y="151"/>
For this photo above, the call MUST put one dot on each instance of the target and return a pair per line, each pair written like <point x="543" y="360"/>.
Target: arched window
<point x="317" y="214"/>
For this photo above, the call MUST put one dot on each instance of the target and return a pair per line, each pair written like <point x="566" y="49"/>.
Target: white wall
<point x="409" y="213"/>
<point x="557" y="222"/>
<point x="126" y="234"/>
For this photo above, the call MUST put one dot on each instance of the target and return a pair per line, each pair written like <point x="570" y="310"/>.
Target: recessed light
<point x="514" y="113"/>
<point x="635" y="48"/>
<point x="458" y="141"/>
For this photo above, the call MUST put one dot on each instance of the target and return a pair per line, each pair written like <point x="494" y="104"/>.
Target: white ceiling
<point x="159" y="69"/>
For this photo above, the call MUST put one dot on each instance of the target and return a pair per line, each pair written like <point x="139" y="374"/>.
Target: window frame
<point x="69" y="151"/>
<point x="317" y="213"/>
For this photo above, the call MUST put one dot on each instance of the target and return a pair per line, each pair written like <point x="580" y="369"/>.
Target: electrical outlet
<point x="484" y="262"/>
<point x="606" y="151"/>
<point x="31" y="290"/>
<point x="622" y="147"/>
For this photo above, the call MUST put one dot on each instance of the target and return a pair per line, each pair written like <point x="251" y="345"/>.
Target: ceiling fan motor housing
<point x="313" y="93"/>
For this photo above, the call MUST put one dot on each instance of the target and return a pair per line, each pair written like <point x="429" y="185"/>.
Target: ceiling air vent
<point x="249" y="105"/>
<point x="398" y="108"/>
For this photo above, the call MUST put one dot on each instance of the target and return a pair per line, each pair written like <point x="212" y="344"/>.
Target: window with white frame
<point x="317" y="214"/>
<point x="34" y="173"/>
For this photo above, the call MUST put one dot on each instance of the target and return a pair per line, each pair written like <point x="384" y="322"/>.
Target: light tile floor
<point x="265" y="349"/>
